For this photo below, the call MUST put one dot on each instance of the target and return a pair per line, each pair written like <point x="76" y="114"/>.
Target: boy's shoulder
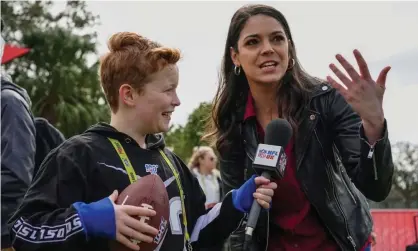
<point x="77" y="148"/>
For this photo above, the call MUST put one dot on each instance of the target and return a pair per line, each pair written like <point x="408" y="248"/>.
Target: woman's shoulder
<point x="323" y="97"/>
<point x="320" y="88"/>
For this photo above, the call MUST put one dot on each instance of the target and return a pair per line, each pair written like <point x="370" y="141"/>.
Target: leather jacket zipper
<point x="319" y="213"/>
<point x="370" y="155"/>
<point x="350" y="239"/>
<point x="348" y="189"/>
<point x="252" y="160"/>
<point x="249" y="156"/>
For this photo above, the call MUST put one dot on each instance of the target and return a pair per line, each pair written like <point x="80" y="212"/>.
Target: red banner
<point x="394" y="228"/>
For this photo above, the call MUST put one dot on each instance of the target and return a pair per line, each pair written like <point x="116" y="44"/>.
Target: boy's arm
<point x="52" y="216"/>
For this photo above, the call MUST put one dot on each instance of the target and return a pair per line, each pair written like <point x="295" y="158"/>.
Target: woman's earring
<point x="237" y="70"/>
<point x="293" y="64"/>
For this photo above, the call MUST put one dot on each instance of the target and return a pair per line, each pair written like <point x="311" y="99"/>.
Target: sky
<point x="385" y="33"/>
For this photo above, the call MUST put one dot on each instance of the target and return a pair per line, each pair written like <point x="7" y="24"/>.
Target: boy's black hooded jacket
<point x="86" y="168"/>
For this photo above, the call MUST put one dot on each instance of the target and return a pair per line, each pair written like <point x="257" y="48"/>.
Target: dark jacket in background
<point x="47" y="138"/>
<point x="17" y="151"/>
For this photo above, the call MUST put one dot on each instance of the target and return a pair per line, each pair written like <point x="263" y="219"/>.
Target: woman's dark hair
<point x="232" y="93"/>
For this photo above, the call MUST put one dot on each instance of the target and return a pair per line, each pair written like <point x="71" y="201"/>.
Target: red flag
<point x="11" y="52"/>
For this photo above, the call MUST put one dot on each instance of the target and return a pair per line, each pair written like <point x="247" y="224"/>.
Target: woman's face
<point x="208" y="161"/>
<point x="263" y="50"/>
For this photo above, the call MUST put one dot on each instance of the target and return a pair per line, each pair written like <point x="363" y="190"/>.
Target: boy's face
<point x="157" y="100"/>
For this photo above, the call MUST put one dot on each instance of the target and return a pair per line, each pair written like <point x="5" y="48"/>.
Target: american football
<point x="149" y="191"/>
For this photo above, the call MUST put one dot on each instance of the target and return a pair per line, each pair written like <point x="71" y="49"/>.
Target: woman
<point x="203" y="166"/>
<point x="339" y="154"/>
<point x="68" y="206"/>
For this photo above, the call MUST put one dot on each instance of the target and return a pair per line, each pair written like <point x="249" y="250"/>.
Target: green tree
<point x="63" y="86"/>
<point x="184" y="138"/>
<point x="174" y="139"/>
<point x="406" y="172"/>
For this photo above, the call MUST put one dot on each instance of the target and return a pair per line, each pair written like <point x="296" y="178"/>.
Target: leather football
<point x="148" y="191"/>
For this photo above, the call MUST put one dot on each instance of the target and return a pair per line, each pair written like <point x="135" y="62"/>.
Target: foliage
<point x="184" y="138"/>
<point x="63" y="86"/>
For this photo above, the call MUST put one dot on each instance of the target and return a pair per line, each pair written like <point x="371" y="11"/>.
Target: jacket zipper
<point x="370" y="155"/>
<point x="252" y="159"/>
<point x="320" y="215"/>
<point x="348" y="189"/>
<point x="248" y="155"/>
<point x="345" y="175"/>
<point x="350" y="239"/>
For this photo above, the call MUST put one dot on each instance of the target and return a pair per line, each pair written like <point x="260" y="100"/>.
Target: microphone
<point x="270" y="160"/>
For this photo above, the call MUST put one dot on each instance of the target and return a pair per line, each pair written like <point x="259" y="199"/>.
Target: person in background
<point x="203" y="165"/>
<point x="340" y="153"/>
<point x="18" y="146"/>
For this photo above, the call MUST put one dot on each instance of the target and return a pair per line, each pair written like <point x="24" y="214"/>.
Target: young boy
<point x="68" y="206"/>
